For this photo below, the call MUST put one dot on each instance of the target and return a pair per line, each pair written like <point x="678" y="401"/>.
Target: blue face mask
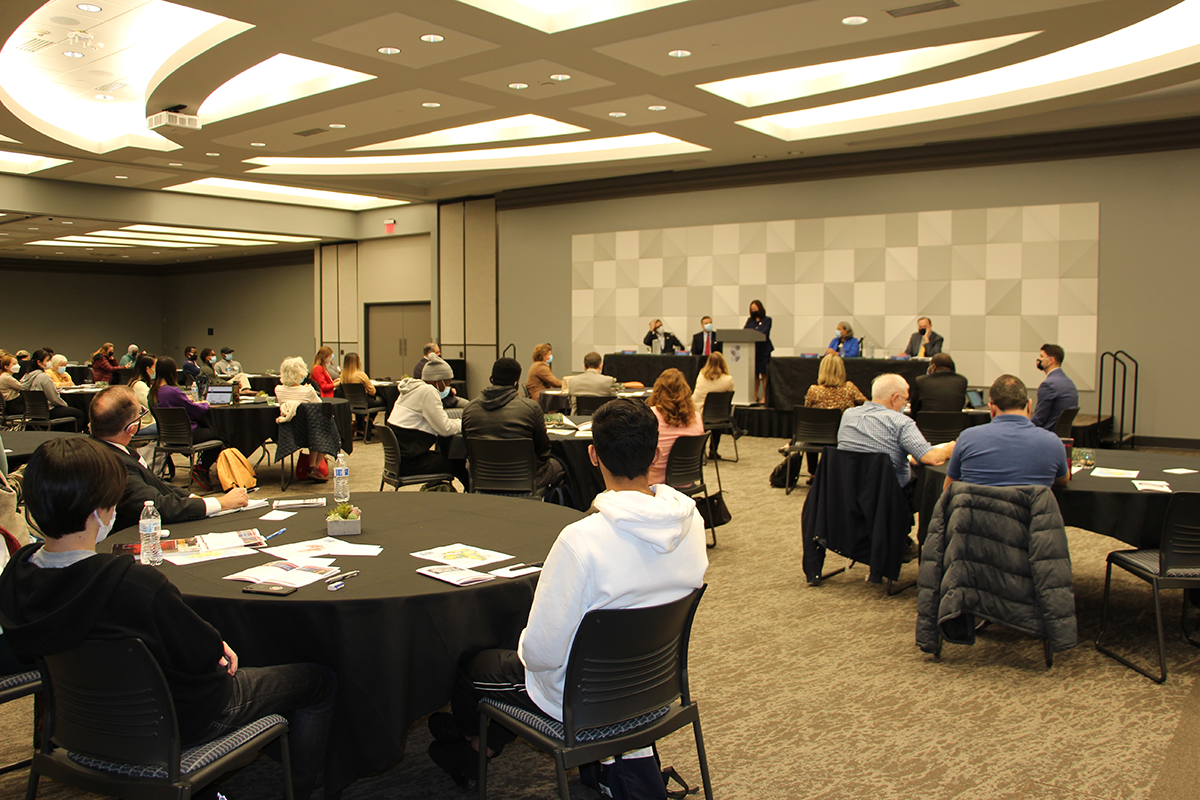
<point x="708" y="326"/>
<point x="550" y="358"/>
<point x="229" y="356"/>
<point x="151" y="375"/>
<point x="445" y="392"/>
<point x="212" y="359"/>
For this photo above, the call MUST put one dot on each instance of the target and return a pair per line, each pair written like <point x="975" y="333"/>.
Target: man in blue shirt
<point x="1010" y="450"/>
<point x="1057" y="392"/>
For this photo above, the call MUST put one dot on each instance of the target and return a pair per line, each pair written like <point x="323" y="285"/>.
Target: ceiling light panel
<point x="1164" y="42"/>
<point x="280" y="79"/>
<point x="133" y="237"/>
<point x="552" y="16"/>
<point x="637" y="111"/>
<point x="791" y="84"/>
<point x="537" y="75"/>
<point x="233" y="235"/>
<point x="25" y="164"/>
<point x="588" y="151"/>
<point x="88" y="239"/>
<point x="404" y="32"/>
<point x="295" y="195"/>
<point x="61" y="243"/>
<point x="526" y="126"/>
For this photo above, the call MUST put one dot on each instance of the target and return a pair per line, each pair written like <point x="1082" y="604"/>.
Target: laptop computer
<point x="975" y="399"/>
<point x="219" y="395"/>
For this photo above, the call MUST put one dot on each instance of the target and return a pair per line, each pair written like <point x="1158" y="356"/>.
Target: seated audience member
<point x="1057" y="392"/>
<point x="924" y="343"/>
<point x="140" y="383"/>
<point x="293" y="389"/>
<point x="10" y="387"/>
<point x="501" y="413"/>
<point x="418" y="419"/>
<point x="714" y="377"/>
<point x="208" y="372"/>
<point x="55" y="596"/>
<point x="320" y="374"/>
<point x="103" y="364"/>
<point x="352" y="372"/>
<point x="189" y="366"/>
<point x="115" y="416"/>
<point x="671" y="402"/>
<point x="643" y="547"/>
<point x="165" y="393"/>
<point x="941" y="388"/>
<point x="880" y="426"/>
<point x="540" y="376"/>
<point x="660" y="340"/>
<point x="705" y="342"/>
<point x="591" y="382"/>
<point x="58" y="371"/>
<point x="831" y="390"/>
<point x="430" y="348"/>
<point x="131" y="355"/>
<point x="27" y="363"/>
<point x="1010" y="450"/>
<point x="37" y="379"/>
<point x="843" y="343"/>
<point x="230" y="371"/>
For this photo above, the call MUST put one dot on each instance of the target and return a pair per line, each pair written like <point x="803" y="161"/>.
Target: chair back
<point x="586" y="405"/>
<point x="628" y="662"/>
<point x="356" y="393"/>
<point x="685" y="462"/>
<point x="174" y="427"/>
<point x="505" y="466"/>
<point x="108" y="699"/>
<point x="1180" y="547"/>
<point x="37" y="407"/>
<point x="1062" y="428"/>
<point x="391" y="455"/>
<point x="815" y="425"/>
<point x="941" y="426"/>
<point x="718" y="408"/>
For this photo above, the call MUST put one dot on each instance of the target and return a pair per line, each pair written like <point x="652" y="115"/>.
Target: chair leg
<point x="32" y="787"/>
<point x="1162" y="662"/>
<point x="736" y="457"/>
<point x="787" y="474"/>
<point x="702" y="759"/>
<point x="285" y="761"/>
<point x="1048" y="653"/>
<point x="1183" y="622"/>
<point x="483" y="748"/>
<point x="903" y="587"/>
<point x="1162" y="645"/>
<point x="564" y="791"/>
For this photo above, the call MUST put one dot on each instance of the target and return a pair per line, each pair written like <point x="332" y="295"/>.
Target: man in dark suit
<point x="115" y="418"/>
<point x="924" y="343"/>
<point x="705" y="342"/>
<point x="942" y="389"/>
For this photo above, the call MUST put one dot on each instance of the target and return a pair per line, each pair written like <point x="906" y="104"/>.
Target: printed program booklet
<point x="285" y="573"/>
<point x="200" y="544"/>
<point x="456" y="575"/>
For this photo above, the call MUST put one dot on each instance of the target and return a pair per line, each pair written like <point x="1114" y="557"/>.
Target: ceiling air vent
<point x="922" y="8"/>
<point x="34" y="44"/>
<point x="111" y="87"/>
<point x="311" y="132"/>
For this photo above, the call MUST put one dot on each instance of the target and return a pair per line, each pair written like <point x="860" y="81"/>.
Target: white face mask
<point x="444" y="392"/>
<point x="62" y="370"/>
<point x="15" y="368"/>
<point x="708" y="326"/>
<point x="102" y="534"/>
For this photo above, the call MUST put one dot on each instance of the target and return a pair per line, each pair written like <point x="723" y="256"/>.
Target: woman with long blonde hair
<point x="671" y="402"/>
<point x="831" y="390"/>
<point x="714" y="377"/>
<point x="352" y="372"/>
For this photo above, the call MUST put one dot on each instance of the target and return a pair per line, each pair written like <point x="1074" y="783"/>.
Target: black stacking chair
<point x="391" y="464"/>
<point x="1062" y="428"/>
<point x="175" y="436"/>
<point x="941" y="426"/>
<point x="14" y="687"/>
<point x="718" y="416"/>
<point x="360" y="405"/>
<point x="37" y="413"/>
<point x="586" y="405"/>
<point x="812" y="430"/>
<point x="503" y="466"/>
<point x="685" y="470"/>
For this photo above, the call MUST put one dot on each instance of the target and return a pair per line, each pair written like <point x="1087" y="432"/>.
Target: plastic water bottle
<point x="150" y="527"/>
<point x="341" y="479"/>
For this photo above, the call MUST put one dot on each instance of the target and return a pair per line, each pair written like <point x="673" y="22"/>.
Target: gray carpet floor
<point x="820" y="692"/>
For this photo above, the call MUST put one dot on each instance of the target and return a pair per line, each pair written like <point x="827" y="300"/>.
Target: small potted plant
<point x="344" y="520"/>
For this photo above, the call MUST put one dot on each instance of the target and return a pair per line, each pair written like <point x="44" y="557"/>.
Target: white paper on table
<point x="1106" y="472"/>
<point x="253" y="504"/>
<point x="1152" y="486"/>
<point x="1180" y="471"/>
<point x="1077" y="468"/>
<point x="461" y="555"/>
<point x="560" y="432"/>
<point x="327" y="546"/>
<point x="300" y="572"/>
<point x="341" y="547"/>
<point x="182" y="559"/>
<point x="582" y="434"/>
<point x="275" y="516"/>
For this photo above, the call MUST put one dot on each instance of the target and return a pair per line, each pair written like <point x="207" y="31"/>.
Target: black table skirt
<point x="393" y="637"/>
<point x="646" y="368"/>
<point x="247" y="426"/>
<point x="789" y="378"/>
<point x="79" y="400"/>
<point x="264" y="383"/>
<point x="583" y="477"/>
<point x="23" y="443"/>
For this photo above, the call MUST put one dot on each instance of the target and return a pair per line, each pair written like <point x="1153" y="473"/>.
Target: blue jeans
<point x="304" y="694"/>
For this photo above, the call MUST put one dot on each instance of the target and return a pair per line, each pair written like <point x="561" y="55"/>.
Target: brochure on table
<point x="297" y="572"/>
<point x="461" y="555"/>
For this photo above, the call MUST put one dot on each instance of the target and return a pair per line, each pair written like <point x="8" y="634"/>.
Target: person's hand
<point x="229" y="660"/>
<point x="235" y="498"/>
<point x="829" y="351"/>
<point x="651" y="326"/>
<point x="925" y="338"/>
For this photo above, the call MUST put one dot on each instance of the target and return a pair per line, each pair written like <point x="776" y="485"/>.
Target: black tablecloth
<point x="81" y="400"/>
<point x="264" y="383"/>
<point x="646" y="368"/>
<point x="247" y="425"/>
<point x="393" y="637"/>
<point x="23" y="443"/>
<point x="789" y="378"/>
<point x="1109" y="506"/>
<point x="583" y="477"/>
<point x="80" y="374"/>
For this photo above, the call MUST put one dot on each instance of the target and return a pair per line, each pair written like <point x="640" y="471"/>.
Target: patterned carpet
<point x="821" y="693"/>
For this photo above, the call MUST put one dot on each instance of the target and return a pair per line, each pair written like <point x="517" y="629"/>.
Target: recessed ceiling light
<point x="431" y="105"/>
<point x="121" y="177"/>
<point x="105" y="97"/>
<point x="89" y="7"/>
<point x="518" y="86"/>
<point x="433" y="38"/>
<point x="758" y="156"/>
<point x="72" y="54"/>
<point x="35" y="229"/>
<point x="616" y="114"/>
<point x="679" y="53"/>
<point x="89" y="248"/>
<point x="657" y="108"/>
<point x="855" y="20"/>
<point x="175" y="164"/>
<point x="58" y="252"/>
<point x="258" y="144"/>
<point x="336" y="125"/>
<point x="156" y="253"/>
<point x="389" y="51"/>
<point x="795" y="152"/>
<point x="67" y="222"/>
<point x="212" y="155"/>
<point x="560" y="76"/>
<point x="124" y="256"/>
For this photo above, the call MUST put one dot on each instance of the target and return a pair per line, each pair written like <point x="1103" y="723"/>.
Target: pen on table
<point x="254" y="489"/>
<point x="276" y="533"/>
<point x="341" y="576"/>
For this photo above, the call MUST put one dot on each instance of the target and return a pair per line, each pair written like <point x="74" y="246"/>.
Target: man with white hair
<point x="130" y="356"/>
<point x="880" y="426"/>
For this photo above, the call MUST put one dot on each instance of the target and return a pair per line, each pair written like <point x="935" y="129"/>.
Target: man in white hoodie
<point x="644" y="547"/>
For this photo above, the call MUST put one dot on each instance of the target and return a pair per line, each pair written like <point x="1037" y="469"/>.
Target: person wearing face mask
<point x="130" y="357"/>
<point x="10" y="387"/>
<point x="208" y="372"/>
<point x="38" y="380"/>
<point x="320" y="372"/>
<point x="56" y="595"/>
<point x="103" y="363"/>
<point x="660" y="340"/>
<point x="189" y="365"/>
<point x="418" y="419"/>
<point x="924" y="343"/>
<point x="540" y="376"/>
<point x="705" y="342"/>
<point x="844" y="344"/>
<point x="58" y="371"/>
<point x="140" y="382"/>
<point x="230" y="371"/>
<point x="1057" y="392"/>
<point x="759" y="321"/>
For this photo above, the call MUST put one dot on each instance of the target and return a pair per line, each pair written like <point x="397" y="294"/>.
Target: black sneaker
<point x="201" y="476"/>
<point x="458" y="760"/>
<point x="444" y="728"/>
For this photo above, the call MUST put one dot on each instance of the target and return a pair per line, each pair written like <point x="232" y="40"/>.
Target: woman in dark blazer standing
<point x="760" y="322"/>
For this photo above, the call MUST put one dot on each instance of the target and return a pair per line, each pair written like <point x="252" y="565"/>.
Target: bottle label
<point x="341" y="472"/>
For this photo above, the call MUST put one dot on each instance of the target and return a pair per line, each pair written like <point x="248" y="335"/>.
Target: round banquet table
<point x="23" y="443"/>
<point x="583" y="476"/>
<point x="393" y="637"/>
<point x="1109" y="506"/>
<point x="80" y="398"/>
<point x="247" y="426"/>
<point x="263" y="383"/>
<point x="80" y="373"/>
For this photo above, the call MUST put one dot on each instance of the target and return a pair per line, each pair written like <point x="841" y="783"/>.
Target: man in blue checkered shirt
<point x="880" y="426"/>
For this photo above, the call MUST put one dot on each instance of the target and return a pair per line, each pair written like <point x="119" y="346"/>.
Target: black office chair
<point x="503" y="466"/>
<point x="14" y="687"/>
<point x="1062" y="428"/>
<point x="812" y="430"/>
<point x="587" y="405"/>
<point x="939" y="427"/>
<point x="360" y="406"/>
<point x="626" y="688"/>
<point x="718" y="416"/>
<point x="685" y="471"/>
<point x="391" y="464"/>
<point x="37" y="413"/>
<point x="12" y="415"/>
<point x="175" y="436"/>
<point x="1175" y="564"/>
<point x="111" y="729"/>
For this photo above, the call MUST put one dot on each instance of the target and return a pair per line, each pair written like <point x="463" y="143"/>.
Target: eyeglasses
<point x="142" y="411"/>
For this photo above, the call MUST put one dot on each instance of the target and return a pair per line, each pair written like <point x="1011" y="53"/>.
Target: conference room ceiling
<point x="501" y="104"/>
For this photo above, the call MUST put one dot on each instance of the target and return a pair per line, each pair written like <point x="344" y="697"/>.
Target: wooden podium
<point x="738" y="344"/>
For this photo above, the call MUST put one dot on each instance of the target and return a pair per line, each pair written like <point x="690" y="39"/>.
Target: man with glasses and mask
<point x="115" y="416"/>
